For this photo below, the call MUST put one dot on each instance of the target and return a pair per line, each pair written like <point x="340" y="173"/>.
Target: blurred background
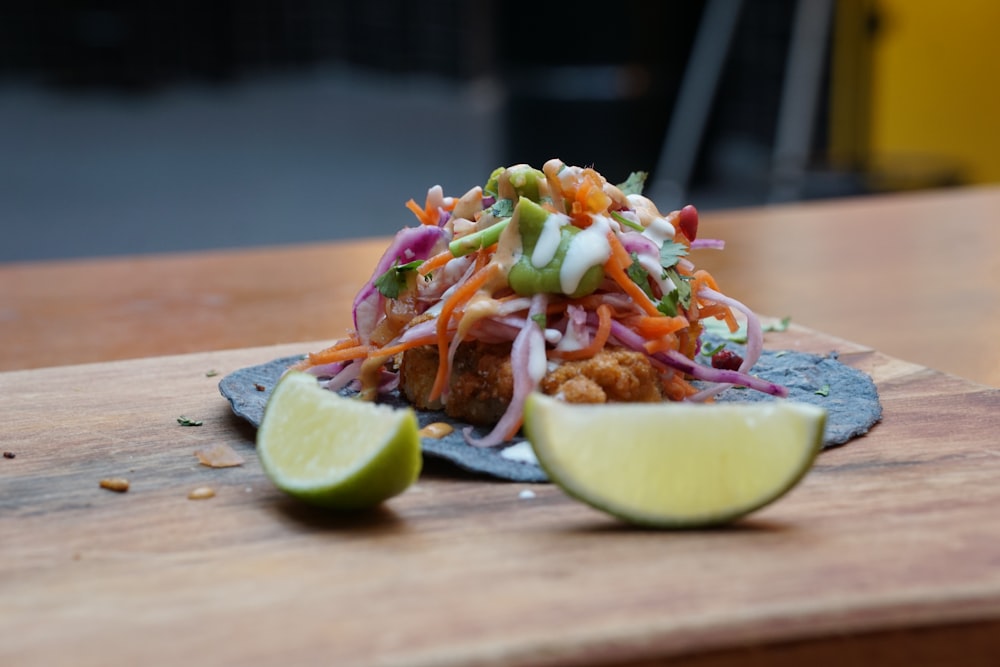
<point x="153" y="126"/>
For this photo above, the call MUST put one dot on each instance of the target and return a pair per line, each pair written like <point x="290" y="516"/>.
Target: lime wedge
<point x="334" y="451"/>
<point x="674" y="464"/>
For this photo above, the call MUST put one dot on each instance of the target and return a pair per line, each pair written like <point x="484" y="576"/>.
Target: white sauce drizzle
<point x="571" y="340"/>
<point x="587" y="249"/>
<point x="538" y="363"/>
<point x="659" y="230"/>
<point x="553" y="336"/>
<point x="548" y="240"/>
<point x="520" y="452"/>
<point x="656" y="272"/>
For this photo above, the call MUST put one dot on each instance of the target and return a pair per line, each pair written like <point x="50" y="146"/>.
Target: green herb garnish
<point x="622" y="220"/>
<point x="483" y="238"/>
<point x="823" y="391"/>
<point x="639" y="275"/>
<point x="671" y="253"/>
<point x="393" y="281"/>
<point x="677" y="298"/>
<point x="682" y="285"/>
<point x="634" y="184"/>
<point x="503" y="208"/>
<point x="707" y="349"/>
<point x="668" y="304"/>
<point x="184" y="421"/>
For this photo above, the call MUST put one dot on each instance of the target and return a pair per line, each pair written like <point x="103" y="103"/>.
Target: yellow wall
<point x="936" y="84"/>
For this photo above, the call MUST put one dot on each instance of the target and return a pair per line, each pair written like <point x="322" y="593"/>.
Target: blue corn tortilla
<point x="848" y="395"/>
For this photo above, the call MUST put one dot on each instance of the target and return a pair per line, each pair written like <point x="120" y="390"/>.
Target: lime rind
<point x="334" y="451"/>
<point x="388" y="473"/>
<point x="689" y="483"/>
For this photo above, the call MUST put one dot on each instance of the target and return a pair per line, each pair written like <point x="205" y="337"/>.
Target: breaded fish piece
<point x="611" y="375"/>
<point x="482" y="380"/>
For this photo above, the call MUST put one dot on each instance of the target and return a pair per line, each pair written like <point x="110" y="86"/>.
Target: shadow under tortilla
<point x="437" y="468"/>
<point x="242" y="427"/>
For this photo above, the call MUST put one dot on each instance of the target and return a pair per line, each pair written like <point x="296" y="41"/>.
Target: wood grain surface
<point x="916" y="276"/>
<point x="888" y="553"/>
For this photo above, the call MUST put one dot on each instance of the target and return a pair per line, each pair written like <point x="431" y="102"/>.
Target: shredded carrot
<point x="618" y="251"/>
<point x="458" y="297"/>
<point x="597" y="343"/>
<point x="702" y="277"/>
<point x="331" y="355"/>
<point x="435" y="261"/>
<point x="349" y="341"/>
<point x="661" y="344"/>
<point x="719" y="312"/>
<point x="687" y="340"/>
<point x="587" y="197"/>
<point x="619" y="301"/>
<point x="392" y="350"/>
<point x="656" y="327"/>
<point x="422" y="214"/>
<point x="676" y="387"/>
<point x="615" y="269"/>
<point x="596" y="199"/>
<point x="484" y="256"/>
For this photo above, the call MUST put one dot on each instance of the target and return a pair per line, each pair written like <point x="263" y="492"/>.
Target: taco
<point x="550" y="280"/>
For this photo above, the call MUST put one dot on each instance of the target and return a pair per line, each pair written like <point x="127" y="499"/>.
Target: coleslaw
<point x="560" y="265"/>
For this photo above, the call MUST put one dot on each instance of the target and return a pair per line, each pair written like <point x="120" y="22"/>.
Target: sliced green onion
<point x="484" y="238"/>
<point x="625" y="221"/>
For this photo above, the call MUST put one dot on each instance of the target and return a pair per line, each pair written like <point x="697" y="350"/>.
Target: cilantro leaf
<point x="682" y="285"/>
<point x="634" y="184"/>
<point x="639" y="275"/>
<point x="185" y="421"/>
<point x="678" y="298"/>
<point x="393" y="281"/>
<point x="668" y="304"/>
<point x="823" y="391"/>
<point x="503" y="208"/>
<point x="671" y="253"/>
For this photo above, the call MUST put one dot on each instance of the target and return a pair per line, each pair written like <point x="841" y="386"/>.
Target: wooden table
<point x="888" y="553"/>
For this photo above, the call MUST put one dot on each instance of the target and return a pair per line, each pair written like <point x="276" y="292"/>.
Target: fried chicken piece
<point x="612" y="375"/>
<point x="482" y="381"/>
